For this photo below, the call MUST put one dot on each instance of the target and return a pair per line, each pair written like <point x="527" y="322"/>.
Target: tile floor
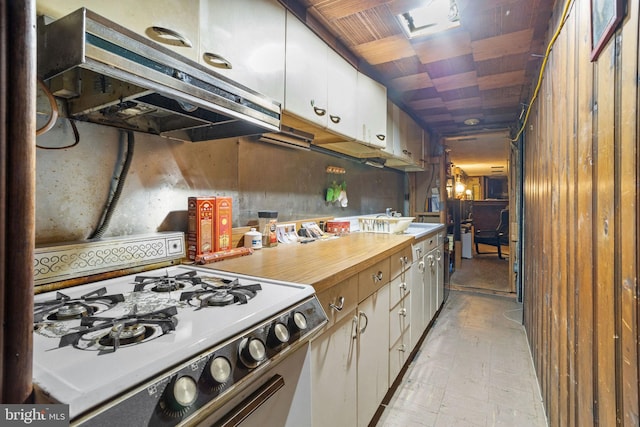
<point x="473" y="369"/>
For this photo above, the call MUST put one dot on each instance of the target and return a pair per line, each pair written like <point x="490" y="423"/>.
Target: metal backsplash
<point x="72" y="260"/>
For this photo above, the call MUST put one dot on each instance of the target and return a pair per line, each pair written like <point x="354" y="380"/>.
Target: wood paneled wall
<point x="580" y="242"/>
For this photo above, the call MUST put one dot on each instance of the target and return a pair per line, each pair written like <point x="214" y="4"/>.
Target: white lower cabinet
<point x="333" y="374"/>
<point x="350" y="358"/>
<point x="373" y="356"/>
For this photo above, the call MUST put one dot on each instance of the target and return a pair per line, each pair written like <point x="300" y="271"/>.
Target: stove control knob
<point x="183" y="392"/>
<point x="220" y="369"/>
<point x="252" y="352"/>
<point x="279" y="334"/>
<point x="299" y="322"/>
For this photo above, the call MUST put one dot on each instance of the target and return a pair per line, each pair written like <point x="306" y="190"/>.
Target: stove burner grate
<point x="166" y="283"/>
<point x="129" y="329"/>
<point x="223" y="293"/>
<point x="64" y="307"/>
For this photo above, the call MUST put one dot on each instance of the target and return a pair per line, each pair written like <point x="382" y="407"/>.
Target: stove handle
<point x="253" y="402"/>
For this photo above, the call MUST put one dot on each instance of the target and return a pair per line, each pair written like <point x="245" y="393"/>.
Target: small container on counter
<point x="253" y="239"/>
<point x="268" y="222"/>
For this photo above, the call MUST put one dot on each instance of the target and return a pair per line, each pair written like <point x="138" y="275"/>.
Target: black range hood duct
<point x="113" y="76"/>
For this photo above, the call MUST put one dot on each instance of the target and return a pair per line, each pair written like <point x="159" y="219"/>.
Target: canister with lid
<point x="268" y="221"/>
<point x="253" y="239"/>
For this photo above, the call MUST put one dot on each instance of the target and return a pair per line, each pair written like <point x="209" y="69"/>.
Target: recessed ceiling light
<point x="436" y="16"/>
<point x="471" y="122"/>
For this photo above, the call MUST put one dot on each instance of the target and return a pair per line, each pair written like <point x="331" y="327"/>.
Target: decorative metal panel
<point x="72" y="260"/>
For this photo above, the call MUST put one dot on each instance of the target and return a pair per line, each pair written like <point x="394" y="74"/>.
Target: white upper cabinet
<point x="342" y="82"/>
<point x="320" y="84"/>
<point x="245" y="41"/>
<point x="172" y="23"/>
<point x="306" y="93"/>
<point x="405" y="141"/>
<point x="371" y="112"/>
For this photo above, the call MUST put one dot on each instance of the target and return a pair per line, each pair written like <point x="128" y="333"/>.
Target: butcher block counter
<point x="321" y="263"/>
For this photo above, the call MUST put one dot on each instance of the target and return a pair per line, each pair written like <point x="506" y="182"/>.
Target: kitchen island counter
<point x="321" y="263"/>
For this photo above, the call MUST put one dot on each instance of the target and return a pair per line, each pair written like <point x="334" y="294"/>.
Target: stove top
<point x="95" y="342"/>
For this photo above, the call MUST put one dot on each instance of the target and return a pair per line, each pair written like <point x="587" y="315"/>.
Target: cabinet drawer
<point x="430" y="242"/>
<point x="398" y="290"/>
<point x="398" y="354"/>
<point x="398" y="321"/>
<point x="400" y="261"/>
<point x="339" y="300"/>
<point x="372" y="279"/>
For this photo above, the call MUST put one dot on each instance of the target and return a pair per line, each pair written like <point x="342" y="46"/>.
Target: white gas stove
<point x="166" y="346"/>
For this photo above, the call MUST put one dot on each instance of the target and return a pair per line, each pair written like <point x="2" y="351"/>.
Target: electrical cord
<point x="54" y="110"/>
<point x="76" y="136"/>
<point x="114" y="195"/>
<point x="563" y="19"/>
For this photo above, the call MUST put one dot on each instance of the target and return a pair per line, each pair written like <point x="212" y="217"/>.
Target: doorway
<point x="481" y="207"/>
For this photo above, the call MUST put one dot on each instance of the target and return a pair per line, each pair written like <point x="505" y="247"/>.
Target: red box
<point x="222" y="227"/>
<point x="338" y="227"/>
<point x="200" y="228"/>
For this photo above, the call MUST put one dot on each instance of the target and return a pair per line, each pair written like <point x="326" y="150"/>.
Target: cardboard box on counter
<point x="222" y="228"/>
<point x="200" y="228"/>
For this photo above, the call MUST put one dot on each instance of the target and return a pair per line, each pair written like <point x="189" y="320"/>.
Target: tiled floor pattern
<point x="473" y="369"/>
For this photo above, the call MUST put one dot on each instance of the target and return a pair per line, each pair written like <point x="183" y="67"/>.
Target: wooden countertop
<point x="322" y="263"/>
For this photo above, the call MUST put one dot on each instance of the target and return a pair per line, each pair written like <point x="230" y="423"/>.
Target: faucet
<point x="389" y="212"/>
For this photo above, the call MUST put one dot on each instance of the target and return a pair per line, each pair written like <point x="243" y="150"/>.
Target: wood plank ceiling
<point x="484" y="69"/>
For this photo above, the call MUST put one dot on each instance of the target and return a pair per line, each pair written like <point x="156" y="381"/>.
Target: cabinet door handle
<point x="403" y="286"/>
<point x="421" y="266"/>
<point x="340" y="305"/>
<point x="377" y="277"/>
<point x="402" y="312"/>
<point x="216" y="60"/>
<point x="366" y="322"/>
<point x="168" y="36"/>
<point x="439" y="256"/>
<point x="381" y="137"/>
<point x="319" y="111"/>
<point x="335" y="119"/>
<point x="402" y="348"/>
<point x="354" y="327"/>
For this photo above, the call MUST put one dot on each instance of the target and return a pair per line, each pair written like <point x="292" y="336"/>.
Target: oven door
<point x="281" y="395"/>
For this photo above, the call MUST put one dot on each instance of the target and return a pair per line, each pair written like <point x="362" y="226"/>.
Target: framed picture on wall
<point x="605" y="17"/>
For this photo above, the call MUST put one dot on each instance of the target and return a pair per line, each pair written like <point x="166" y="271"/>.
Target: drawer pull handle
<point x="334" y="119"/>
<point x="378" y="277"/>
<point x="381" y="137"/>
<point x="340" y="305"/>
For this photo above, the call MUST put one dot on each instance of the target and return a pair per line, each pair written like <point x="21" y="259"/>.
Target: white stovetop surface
<point x="85" y="378"/>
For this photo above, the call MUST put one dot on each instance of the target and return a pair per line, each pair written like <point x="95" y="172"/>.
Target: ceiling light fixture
<point x="471" y="122"/>
<point x="436" y="16"/>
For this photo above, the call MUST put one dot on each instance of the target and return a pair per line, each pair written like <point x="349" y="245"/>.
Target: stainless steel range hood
<point x="113" y="76"/>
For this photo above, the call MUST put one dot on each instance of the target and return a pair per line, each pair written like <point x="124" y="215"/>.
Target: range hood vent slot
<point x="289" y="137"/>
<point x="113" y="76"/>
